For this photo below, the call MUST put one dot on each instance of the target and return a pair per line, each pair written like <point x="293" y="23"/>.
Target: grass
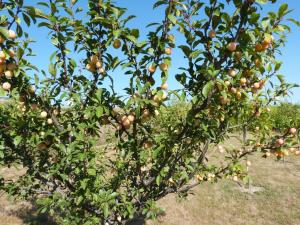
<point x="222" y="203"/>
<point x="278" y="203"/>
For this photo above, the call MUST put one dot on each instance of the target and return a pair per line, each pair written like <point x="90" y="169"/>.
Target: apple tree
<point x="94" y="155"/>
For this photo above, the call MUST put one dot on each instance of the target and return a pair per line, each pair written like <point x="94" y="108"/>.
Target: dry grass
<point x="223" y="203"/>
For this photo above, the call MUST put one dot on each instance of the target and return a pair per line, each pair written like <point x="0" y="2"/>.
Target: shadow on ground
<point x="22" y="213"/>
<point x="33" y="217"/>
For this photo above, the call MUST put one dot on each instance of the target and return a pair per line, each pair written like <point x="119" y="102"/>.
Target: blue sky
<point x="143" y="10"/>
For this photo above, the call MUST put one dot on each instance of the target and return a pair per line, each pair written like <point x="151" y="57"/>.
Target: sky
<point x="145" y="15"/>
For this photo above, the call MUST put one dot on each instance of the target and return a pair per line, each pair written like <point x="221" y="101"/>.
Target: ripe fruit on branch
<point x="147" y="144"/>
<point x="293" y="131"/>
<point x="8" y="74"/>
<point x="2" y="55"/>
<point x="227" y="82"/>
<point x="268" y="40"/>
<point x="11" y="53"/>
<point x="12" y="34"/>
<point x="238" y="56"/>
<point x="31" y="89"/>
<point x="164" y="86"/>
<point x="117" y="44"/>
<point x="145" y="113"/>
<point x="2" y="40"/>
<point x="126" y="122"/>
<point x="98" y="64"/>
<point x="285" y="153"/>
<point x="56" y="112"/>
<point x="258" y="47"/>
<point x="224" y="100"/>
<point x="49" y="121"/>
<point x="44" y="114"/>
<point x="233" y="90"/>
<point x="232" y="46"/>
<point x="238" y="95"/>
<point x="257" y="114"/>
<point x="265" y="46"/>
<point x="152" y="68"/>
<point x="6" y="86"/>
<point x="292" y="150"/>
<point x="102" y="71"/>
<point x="157" y="99"/>
<point x="261" y="83"/>
<point x="94" y="59"/>
<point x="131" y="118"/>
<point x="221" y="149"/>
<point x="120" y="118"/>
<point x="256" y="85"/>
<point x="279" y="142"/>
<point x="232" y="72"/>
<point x="163" y="67"/>
<point x="90" y="67"/>
<point x="168" y="51"/>
<point x="243" y="81"/>
<point x="212" y="33"/>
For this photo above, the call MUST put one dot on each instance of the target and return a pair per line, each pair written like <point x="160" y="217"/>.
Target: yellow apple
<point x="12" y="34"/>
<point x="6" y="86"/>
<point x="44" y="114"/>
<point x="152" y="68"/>
<point x="232" y="46"/>
<point x="117" y="44"/>
<point x="163" y="67"/>
<point x="168" y="51"/>
<point x="212" y="33"/>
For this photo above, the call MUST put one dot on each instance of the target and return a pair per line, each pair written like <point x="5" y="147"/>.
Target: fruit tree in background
<point x="52" y="123"/>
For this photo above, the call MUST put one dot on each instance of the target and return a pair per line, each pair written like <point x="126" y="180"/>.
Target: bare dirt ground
<point x="224" y="203"/>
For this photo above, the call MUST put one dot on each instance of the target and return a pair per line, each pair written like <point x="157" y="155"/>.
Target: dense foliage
<point x="56" y="123"/>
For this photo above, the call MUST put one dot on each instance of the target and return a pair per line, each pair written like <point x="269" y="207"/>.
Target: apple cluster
<point x="7" y="62"/>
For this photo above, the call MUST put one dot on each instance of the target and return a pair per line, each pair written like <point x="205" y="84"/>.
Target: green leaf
<point x="207" y="88"/>
<point x="52" y="69"/>
<point x="158" y="180"/>
<point x="131" y="38"/>
<point x="262" y="1"/>
<point x="79" y="200"/>
<point x="172" y="19"/>
<point x="158" y="3"/>
<point x="99" y="112"/>
<point x="4" y="33"/>
<point x="282" y="10"/>
<point x="91" y="172"/>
